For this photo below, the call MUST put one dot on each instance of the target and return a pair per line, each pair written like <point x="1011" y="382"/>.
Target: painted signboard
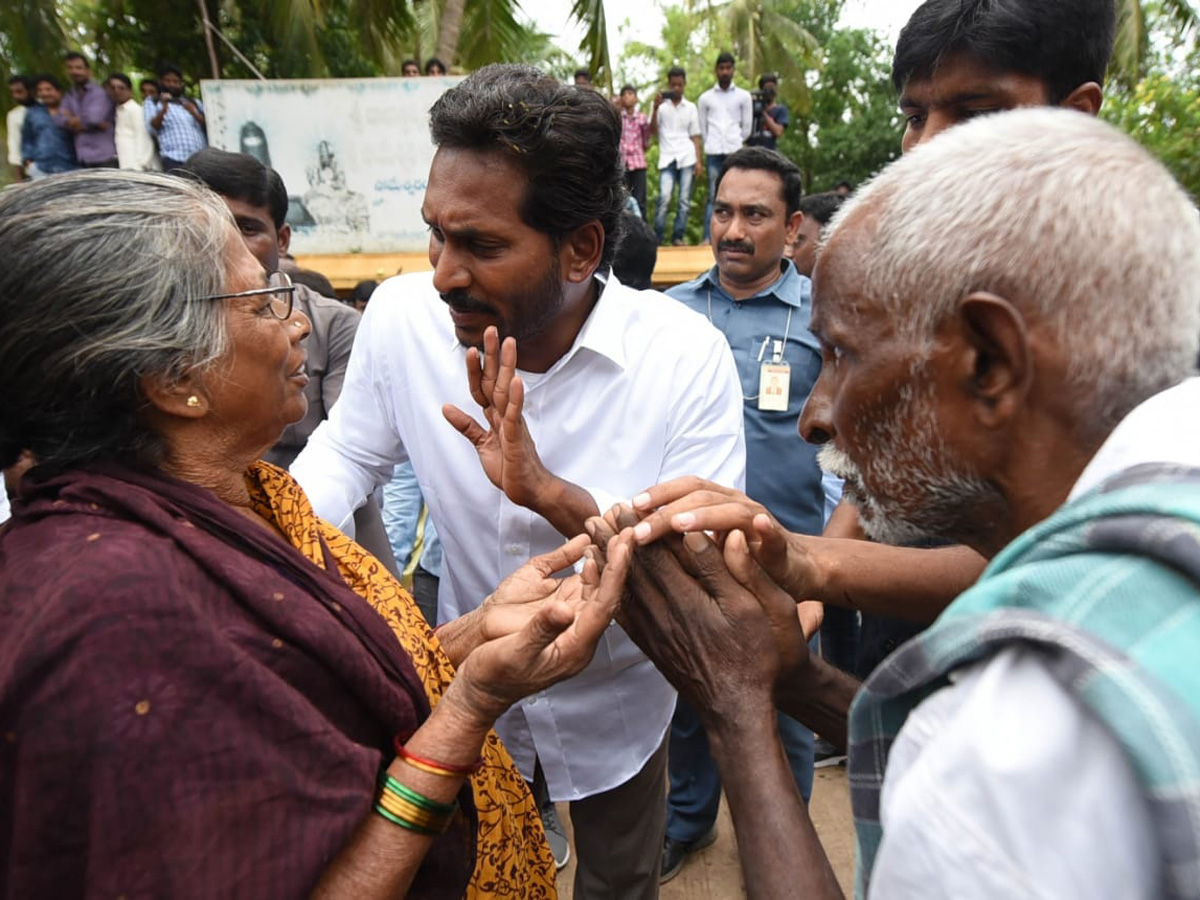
<point x="354" y="154"/>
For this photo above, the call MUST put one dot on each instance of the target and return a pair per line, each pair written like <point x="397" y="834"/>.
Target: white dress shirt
<point x="726" y="118"/>
<point x="1004" y="785"/>
<point x="135" y="147"/>
<point x="677" y="125"/>
<point x="648" y="392"/>
<point x="13" y="123"/>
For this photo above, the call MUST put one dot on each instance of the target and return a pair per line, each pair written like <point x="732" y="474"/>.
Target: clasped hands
<point x="722" y="617"/>
<point x="712" y="594"/>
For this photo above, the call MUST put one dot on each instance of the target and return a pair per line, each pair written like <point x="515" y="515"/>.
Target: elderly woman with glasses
<point x="204" y="689"/>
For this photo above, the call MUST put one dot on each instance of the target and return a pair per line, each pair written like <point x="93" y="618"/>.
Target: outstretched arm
<point x="905" y="582"/>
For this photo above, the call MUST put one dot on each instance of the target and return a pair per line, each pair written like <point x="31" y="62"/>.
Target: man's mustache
<point x="736" y="246"/>
<point x="464" y="302"/>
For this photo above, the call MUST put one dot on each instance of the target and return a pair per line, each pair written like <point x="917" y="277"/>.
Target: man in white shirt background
<point x="726" y="117"/>
<point x="596" y="391"/>
<point x="676" y="123"/>
<point x="22" y="94"/>
<point x="135" y="147"/>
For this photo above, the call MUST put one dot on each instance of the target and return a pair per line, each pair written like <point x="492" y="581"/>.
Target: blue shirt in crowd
<point x="781" y="468"/>
<point x="49" y="145"/>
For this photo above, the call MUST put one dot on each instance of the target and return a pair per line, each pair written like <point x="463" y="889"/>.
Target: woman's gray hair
<point x="1065" y="217"/>
<point x="99" y="279"/>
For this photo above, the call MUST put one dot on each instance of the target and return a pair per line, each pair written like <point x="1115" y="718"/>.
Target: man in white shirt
<point x="982" y="368"/>
<point x="596" y="391"/>
<point x="677" y="125"/>
<point x="726" y="118"/>
<point x="135" y="147"/>
<point x="22" y="94"/>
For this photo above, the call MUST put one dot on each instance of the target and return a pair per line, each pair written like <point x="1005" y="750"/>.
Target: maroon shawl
<point x="188" y="707"/>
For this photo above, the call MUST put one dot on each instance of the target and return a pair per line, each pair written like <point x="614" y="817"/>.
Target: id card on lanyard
<point x="775" y="382"/>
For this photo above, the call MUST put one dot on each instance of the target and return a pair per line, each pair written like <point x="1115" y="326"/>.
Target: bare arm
<point x="770" y="124"/>
<point x="780" y="853"/>
<point x="714" y="624"/>
<point x="382" y="858"/>
<point x="905" y="582"/>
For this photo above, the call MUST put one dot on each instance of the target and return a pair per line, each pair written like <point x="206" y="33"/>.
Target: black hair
<point x="674" y="71"/>
<point x="821" y="207"/>
<point x="434" y="61"/>
<point x="791" y="181"/>
<point x="583" y="73"/>
<point x="170" y="69"/>
<point x="364" y="289"/>
<point x="564" y="140"/>
<point x="845" y="184"/>
<point x="637" y="253"/>
<point x="121" y="77"/>
<point x="146" y="81"/>
<point x="725" y="57"/>
<point x="767" y="78"/>
<point x="19" y="79"/>
<point x="75" y="54"/>
<point x="627" y="87"/>
<point x="49" y="79"/>
<point x="1063" y="43"/>
<point x="241" y="177"/>
<point x="410" y="62"/>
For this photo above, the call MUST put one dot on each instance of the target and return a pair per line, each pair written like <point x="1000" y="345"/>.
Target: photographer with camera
<point x="177" y="121"/>
<point x="770" y="116"/>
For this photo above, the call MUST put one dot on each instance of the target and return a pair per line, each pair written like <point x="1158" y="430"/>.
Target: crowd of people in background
<point x="91" y="125"/>
<point x="303" y="619"/>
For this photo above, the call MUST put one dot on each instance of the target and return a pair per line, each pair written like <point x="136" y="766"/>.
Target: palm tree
<point x="465" y="27"/>
<point x="769" y="36"/>
<point x="1131" y="49"/>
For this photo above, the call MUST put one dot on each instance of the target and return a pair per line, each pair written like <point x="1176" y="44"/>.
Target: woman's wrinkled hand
<point x="556" y="641"/>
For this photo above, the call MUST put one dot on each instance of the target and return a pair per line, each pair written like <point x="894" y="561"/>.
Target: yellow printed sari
<point x="512" y="859"/>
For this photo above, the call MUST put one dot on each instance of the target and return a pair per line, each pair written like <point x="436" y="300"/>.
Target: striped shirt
<point x="180" y="135"/>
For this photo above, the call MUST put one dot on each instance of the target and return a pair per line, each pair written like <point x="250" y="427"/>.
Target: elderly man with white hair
<point x="1010" y="318"/>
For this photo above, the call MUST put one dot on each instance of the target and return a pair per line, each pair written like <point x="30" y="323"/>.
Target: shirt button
<point x="514" y="549"/>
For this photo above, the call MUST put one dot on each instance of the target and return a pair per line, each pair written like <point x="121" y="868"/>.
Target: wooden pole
<point x="212" y="50"/>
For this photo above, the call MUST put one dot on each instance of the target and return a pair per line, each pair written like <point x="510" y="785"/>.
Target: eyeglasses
<point x="279" y="286"/>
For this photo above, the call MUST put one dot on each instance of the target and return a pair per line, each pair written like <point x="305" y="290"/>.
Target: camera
<point x="762" y="98"/>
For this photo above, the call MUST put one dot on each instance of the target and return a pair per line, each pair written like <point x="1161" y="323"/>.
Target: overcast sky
<point x="645" y="18"/>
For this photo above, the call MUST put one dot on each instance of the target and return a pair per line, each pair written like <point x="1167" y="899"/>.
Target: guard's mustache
<point x="735" y="246"/>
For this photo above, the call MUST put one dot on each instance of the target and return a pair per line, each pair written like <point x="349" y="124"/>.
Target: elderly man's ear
<point x="995" y="364"/>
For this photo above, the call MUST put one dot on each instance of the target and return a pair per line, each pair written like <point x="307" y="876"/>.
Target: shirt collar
<point x="604" y="330"/>
<point x="1162" y="429"/>
<point x="790" y="287"/>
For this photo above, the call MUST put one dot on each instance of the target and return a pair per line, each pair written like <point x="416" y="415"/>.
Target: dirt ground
<point x="714" y="873"/>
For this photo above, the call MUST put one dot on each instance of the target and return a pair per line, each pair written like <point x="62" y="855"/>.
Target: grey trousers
<point x="619" y="836"/>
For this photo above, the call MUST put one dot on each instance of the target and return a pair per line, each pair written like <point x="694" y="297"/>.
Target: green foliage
<point x="1162" y="112"/>
<point x="836" y="83"/>
<point x="1137" y="22"/>
<point x="853" y="126"/>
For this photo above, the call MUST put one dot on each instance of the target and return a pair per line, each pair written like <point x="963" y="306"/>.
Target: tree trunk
<point x="448" y="29"/>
